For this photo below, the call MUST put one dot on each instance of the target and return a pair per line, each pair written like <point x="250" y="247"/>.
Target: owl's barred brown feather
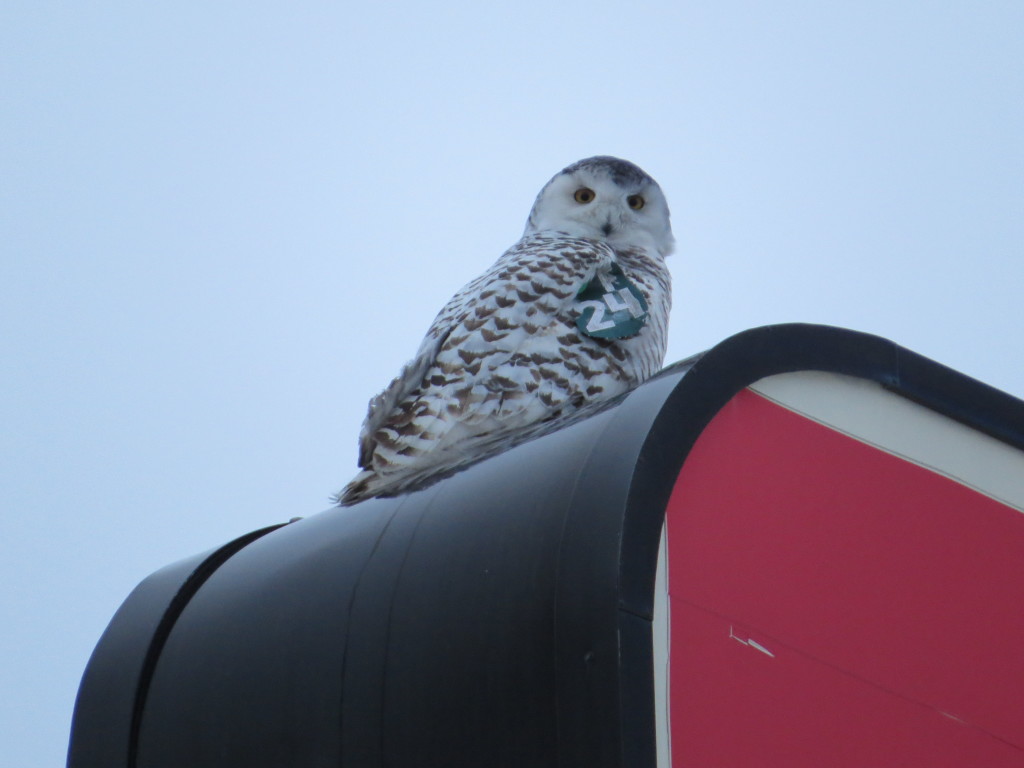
<point x="504" y="360"/>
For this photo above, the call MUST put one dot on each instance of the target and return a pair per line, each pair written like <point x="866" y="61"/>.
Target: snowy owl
<point x="573" y="314"/>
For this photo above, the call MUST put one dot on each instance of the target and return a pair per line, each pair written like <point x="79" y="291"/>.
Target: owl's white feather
<point x="504" y="359"/>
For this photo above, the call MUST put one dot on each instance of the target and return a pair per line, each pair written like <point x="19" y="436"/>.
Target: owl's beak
<point x="607" y="228"/>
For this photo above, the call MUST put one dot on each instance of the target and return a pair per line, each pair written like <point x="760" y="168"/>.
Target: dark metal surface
<point x="500" y="617"/>
<point x="109" y="705"/>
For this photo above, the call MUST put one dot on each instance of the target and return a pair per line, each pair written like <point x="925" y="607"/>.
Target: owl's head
<point x="604" y="198"/>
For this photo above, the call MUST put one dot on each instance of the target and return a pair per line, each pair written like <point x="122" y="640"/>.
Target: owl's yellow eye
<point x="584" y="195"/>
<point x="636" y="202"/>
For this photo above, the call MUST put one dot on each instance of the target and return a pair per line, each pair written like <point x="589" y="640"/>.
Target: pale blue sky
<point x="226" y="225"/>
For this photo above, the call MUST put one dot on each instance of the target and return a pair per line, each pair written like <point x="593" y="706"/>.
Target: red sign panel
<point x="835" y="605"/>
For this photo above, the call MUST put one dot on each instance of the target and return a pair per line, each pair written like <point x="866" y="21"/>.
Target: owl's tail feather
<point x="365" y="485"/>
<point x="369" y="484"/>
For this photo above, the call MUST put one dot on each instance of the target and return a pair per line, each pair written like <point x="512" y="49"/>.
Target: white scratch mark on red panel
<point x="750" y="643"/>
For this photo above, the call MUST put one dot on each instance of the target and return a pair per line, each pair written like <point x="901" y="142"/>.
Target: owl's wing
<point x="481" y="354"/>
<point x="411" y="376"/>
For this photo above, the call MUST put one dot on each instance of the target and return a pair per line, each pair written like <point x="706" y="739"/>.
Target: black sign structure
<point x="504" y="616"/>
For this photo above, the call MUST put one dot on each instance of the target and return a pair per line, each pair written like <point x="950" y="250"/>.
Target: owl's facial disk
<point x="605" y="199"/>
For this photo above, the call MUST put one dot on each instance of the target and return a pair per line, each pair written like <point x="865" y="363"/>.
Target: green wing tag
<point x="611" y="307"/>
